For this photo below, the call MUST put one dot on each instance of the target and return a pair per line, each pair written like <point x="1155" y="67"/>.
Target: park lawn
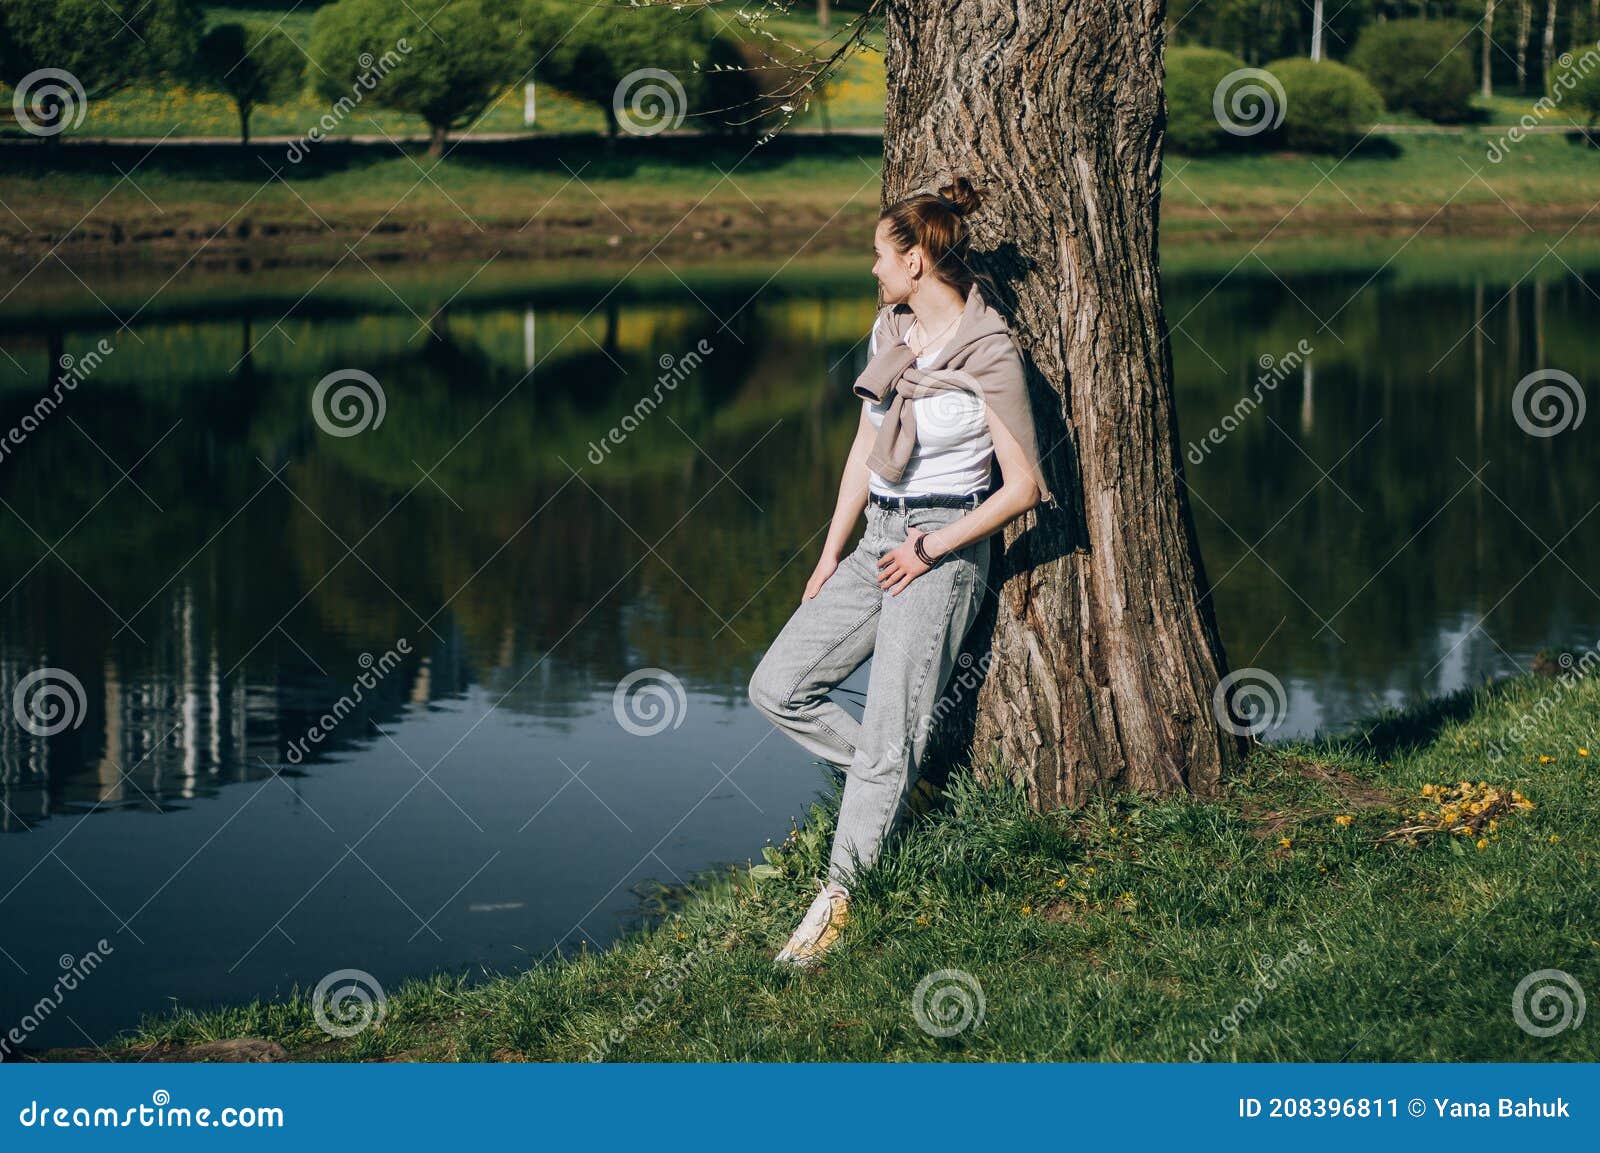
<point x="175" y="108"/>
<point x="1269" y="924"/>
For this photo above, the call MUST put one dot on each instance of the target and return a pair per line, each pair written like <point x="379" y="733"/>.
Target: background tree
<point x="460" y="59"/>
<point x="254" y="63"/>
<point x="104" y="44"/>
<point x="597" y="53"/>
<point x="1487" y="90"/>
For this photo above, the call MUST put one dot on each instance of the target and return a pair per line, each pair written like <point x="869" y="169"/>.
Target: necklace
<point x="926" y="343"/>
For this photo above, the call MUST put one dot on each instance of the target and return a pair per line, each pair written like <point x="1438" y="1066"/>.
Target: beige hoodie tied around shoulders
<point x="979" y="358"/>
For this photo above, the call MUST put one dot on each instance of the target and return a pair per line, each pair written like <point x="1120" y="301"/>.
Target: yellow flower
<point x="1285" y="841"/>
<point x="1343" y="819"/>
<point x="922" y="920"/>
<point x="1026" y="910"/>
<point x="1544" y="760"/>
<point x="1061" y="882"/>
<point x="1554" y="837"/>
<point x="1482" y="844"/>
<point x="1583" y="752"/>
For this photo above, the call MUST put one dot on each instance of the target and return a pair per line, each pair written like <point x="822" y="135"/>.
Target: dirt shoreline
<point x="683" y="236"/>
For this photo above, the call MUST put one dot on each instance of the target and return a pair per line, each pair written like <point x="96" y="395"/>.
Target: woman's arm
<point x="1019" y="492"/>
<point x="847" y="511"/>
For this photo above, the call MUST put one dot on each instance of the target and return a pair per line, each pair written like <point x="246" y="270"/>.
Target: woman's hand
<point x="819" y="575"/>
<point x="901" y="565"/>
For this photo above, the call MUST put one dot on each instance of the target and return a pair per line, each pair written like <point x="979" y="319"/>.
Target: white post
<point x="1316" y="30"/>
<point x="527" y="103"/>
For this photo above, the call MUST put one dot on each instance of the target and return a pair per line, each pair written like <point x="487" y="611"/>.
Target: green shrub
<point x="444" y="62"/>
<point x="636" y="64"/>
<point x="1193" y="77"/>
<point x="1329" y="107"/>
<point x="1421" y="65"/>
<point x="1575" y="86"/>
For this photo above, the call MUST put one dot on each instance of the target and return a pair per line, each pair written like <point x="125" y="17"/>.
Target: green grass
<point x="1254" y="927"/>
<point x="710" y="201"/>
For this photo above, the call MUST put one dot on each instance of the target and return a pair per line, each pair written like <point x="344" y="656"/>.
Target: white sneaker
<point x="818" y="929"/>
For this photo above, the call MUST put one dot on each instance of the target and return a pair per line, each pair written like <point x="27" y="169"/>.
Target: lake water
<point x="461" y="588"/>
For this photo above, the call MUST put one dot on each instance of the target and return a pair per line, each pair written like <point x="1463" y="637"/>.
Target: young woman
<point x="943" y="400"/>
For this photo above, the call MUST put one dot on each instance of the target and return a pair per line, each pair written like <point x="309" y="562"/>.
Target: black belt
<point x="936" y="500"/>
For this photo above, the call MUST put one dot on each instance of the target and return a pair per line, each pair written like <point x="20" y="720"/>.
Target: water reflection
<point x="218" y="572"/>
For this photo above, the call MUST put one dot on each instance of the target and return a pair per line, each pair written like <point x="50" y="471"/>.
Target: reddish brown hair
<point x="935" y="221"/>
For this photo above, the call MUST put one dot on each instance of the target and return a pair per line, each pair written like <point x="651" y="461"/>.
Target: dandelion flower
<point x="1343" y="819"/>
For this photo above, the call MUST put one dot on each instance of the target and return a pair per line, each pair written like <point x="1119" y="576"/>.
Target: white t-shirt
<point x="954" y="449"/>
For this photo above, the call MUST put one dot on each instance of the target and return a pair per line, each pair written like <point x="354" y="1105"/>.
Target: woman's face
<point x="895" y="271"/>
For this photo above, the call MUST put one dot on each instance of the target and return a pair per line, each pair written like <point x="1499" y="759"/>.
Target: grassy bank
<point x="689" y="201"/>
<point x="1284" y="921"/>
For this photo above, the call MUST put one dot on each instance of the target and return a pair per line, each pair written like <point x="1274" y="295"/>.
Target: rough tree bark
<point x="1488" y="49"/>
<point x="1100" y="655"/>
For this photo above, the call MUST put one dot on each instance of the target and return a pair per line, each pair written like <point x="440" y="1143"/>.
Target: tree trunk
<point x="1548" y="59"/>
<point x="437" y="135"/>
<point x="244" y="123"/>
<point x="1100" y="658"/>
<point x="1524" y="24"/>
<point x="1488" y="49"/>
<point x="1316" y="30"/>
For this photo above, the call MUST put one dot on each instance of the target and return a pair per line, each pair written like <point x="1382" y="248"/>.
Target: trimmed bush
<point x="1424" y="66"/>
<point x="1329" y="107"/>
<point x="1193" y="77"/>
<point x="1575" y="86"/>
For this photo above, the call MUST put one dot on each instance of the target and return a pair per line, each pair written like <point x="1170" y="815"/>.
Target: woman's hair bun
<point x="961" y="195"/>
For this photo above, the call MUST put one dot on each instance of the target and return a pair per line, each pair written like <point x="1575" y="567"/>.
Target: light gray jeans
<point x="913" y="638"/>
